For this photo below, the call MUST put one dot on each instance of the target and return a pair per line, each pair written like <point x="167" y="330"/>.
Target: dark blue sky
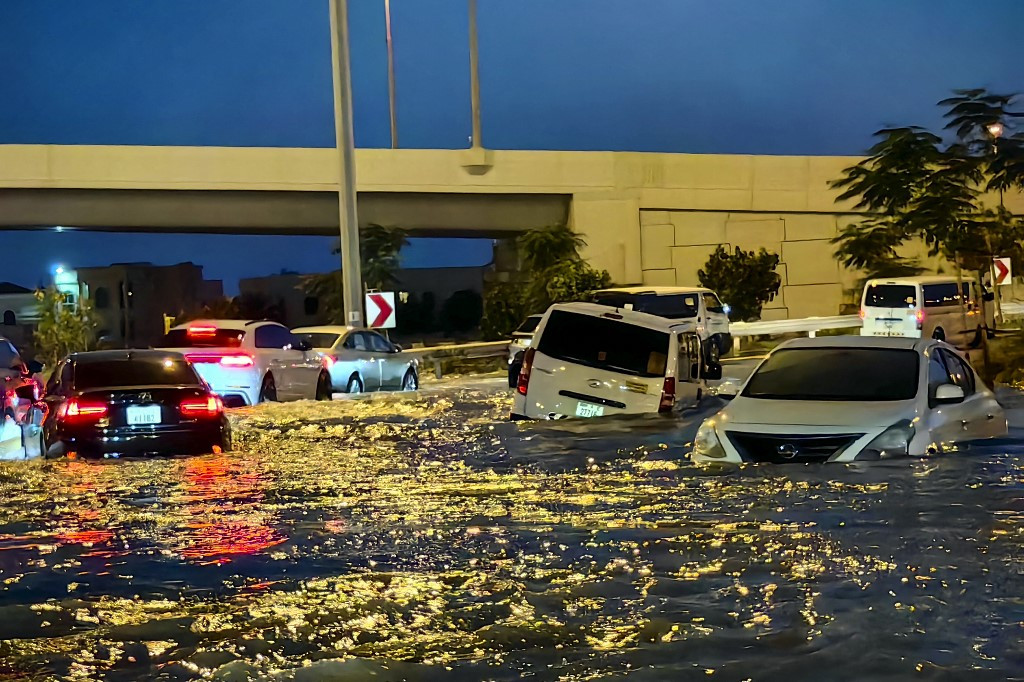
<point x="726" y="76"/>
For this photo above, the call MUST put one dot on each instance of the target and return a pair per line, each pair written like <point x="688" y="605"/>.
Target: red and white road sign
<point x="1002" y="273"/>
<point x="380" y="309"/>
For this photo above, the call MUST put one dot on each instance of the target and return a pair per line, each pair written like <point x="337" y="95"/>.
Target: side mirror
<point x="713" y="371"/>
<point x="34" y="366"/>
<point x="304" y="345"/>
<point x="949" y="394"/>
<point x="26" y="392"/>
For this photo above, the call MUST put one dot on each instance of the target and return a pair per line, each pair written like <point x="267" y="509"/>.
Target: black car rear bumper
<point x="183" y="440"/>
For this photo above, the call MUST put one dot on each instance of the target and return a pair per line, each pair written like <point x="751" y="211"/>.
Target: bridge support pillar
<point x="610" y="224"/>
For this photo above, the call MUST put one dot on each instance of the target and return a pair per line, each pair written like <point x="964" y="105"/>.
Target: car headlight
<point x="893" y="442"/>
<point x="706" y="442"/>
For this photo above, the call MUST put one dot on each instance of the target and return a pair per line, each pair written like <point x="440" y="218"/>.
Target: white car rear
<point x="250" y="361"/>
<point x="589" y="361"/>
<point x="850" y="398"/>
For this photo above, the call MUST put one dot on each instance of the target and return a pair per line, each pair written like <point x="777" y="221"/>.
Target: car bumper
<point x="192" y="439"/>
<point x="789" y="444"/>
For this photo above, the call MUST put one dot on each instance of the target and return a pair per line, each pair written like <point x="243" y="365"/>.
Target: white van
<point x="590" y="361"/>
<point x="923" y="307"/>
<point x="697" y="305"/>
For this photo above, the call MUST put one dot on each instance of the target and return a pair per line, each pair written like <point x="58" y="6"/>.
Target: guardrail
<point x="435" y="354"/>
<point x="809" y="325"/>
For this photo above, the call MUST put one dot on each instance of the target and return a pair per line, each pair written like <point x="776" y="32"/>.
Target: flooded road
<point x="424" y="537"/>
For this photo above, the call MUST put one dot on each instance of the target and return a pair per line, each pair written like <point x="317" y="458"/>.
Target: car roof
<point x="851" y="341"/>
<point x="620" y="315"/>
<point x="657" y="291"/>
<point x="324" y="329"/>
<point x="921" y="279"/>
<point x="85" y="357"/>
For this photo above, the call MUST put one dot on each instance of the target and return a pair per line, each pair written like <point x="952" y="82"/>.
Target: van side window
<point x="938" y="295"/>
<point x="713" y="304"/>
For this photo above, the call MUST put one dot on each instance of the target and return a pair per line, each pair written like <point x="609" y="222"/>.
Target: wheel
<point x="410" y="382"/>
<point x="355" y="385"/>
<point x="268" y="391"/>
<point x="976" y="341"/>
<point x="324" y="390"/>
<point x="939" y="334"/>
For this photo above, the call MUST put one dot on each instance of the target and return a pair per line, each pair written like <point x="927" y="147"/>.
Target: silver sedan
<point x="362" y="359"/>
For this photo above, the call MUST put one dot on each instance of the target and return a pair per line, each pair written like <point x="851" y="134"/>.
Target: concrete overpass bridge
<point x="647" y="218"/>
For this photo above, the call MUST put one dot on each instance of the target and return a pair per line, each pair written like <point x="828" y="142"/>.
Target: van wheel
<point x="268" y="391"/>
<point x="323" y="386"/>
<point x="939" y="334"/>
<point x="976" y="341"/>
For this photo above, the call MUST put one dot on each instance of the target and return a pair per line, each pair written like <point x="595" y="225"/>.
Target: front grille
<point x="782" y="448"/>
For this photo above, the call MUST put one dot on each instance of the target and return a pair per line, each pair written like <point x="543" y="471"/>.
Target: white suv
<point x="251" y="361"/>
<point x="698" y="305"/>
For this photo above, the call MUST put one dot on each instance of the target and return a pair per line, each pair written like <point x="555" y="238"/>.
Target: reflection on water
<point x="413" y="538"/>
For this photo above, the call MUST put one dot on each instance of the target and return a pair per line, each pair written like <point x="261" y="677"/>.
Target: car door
<point x="274" y="343"/>
<point x="688" y="386"/>
<point x="369" y="367"/>
<point x="982" y="416"/>
<point x="718" y="320"/>
<point x="391" y="370"/>
<point x="946" y="423"/>
<point x="304" y="366"/>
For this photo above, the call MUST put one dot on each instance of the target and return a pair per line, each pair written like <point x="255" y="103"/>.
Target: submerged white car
<point x="852" y="398"/>
<point x="361" y="360"/>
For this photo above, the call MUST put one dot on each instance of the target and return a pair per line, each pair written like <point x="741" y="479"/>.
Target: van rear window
<point x="605" y="344"/>
<point x="890" y="296"/>
<point x="672" y="306"/>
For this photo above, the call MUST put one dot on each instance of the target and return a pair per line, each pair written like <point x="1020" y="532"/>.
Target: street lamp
<point x="995" y="129"/>
<point x="348" y="221"/>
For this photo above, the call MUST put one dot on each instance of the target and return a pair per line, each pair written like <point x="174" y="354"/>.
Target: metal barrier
<point x="435" y="354"/>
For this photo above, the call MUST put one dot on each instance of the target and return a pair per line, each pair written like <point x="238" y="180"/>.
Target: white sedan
<point x="851" y="398"/>
<point x="362" y="359"/>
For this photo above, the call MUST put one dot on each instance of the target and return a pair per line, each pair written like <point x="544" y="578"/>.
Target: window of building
<point x="101" y="299"/>
<point x="10" y="318"/>
<point x="311" y="305"/>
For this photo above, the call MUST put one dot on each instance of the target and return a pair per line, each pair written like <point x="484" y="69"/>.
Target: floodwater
<point x="425" y="538"/>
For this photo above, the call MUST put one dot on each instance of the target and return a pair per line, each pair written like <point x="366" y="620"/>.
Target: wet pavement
<point x="425" y="537"/>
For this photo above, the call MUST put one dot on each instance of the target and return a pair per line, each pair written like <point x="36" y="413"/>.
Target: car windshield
<point x="890" y="296"/>
<point x="604" y="343"/>
<point x="135" y="372"/>
<point x="320" y="339"/>
<point x="530" y="325"/>
<point x="672" y="306"/>
<point x="845" y="374"/>
<point x="202" y="338"/>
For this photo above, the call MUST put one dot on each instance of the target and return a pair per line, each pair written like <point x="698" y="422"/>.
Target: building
<point x="132" y="299"/>
<point x="18" y="313"/>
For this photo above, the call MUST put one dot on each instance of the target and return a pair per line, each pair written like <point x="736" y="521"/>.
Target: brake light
<point x="79" y="410"/>
<point x="209" y="406"/>
<point x="329" y="361"/>
<point x="919" y="316"/>
<point x="863" y="313"/>
<point x="668" y="395"/>
<point x="524" y="371"/>
<point x="202" y="331"/>
<point x="237" y="361"/>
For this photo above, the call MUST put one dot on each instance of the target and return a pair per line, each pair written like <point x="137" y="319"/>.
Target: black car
<point x="130" y="402"/>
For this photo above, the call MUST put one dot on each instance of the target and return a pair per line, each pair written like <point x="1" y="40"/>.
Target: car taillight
<point x="329" y="360"/>
<point x="237" y="361"/>
<point x="208" y="406"/>
<point x="78" y="410"/>
<point x="668" y="395"/>
<point x="225" y="359"/>
<point x="919" y="315"/>
<point x="863" y="313"/>
<point x="524" y="371"/>
<point x="202" y="331"/>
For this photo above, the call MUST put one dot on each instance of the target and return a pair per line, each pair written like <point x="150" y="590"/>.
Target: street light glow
<point x="995" y="129"/>
<point x="59" y="270"/>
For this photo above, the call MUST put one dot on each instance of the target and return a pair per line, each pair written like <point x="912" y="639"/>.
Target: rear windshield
<point x="530" y="325"/>
<point x="218" y="338"/>
<point x="890" y="296"/>
<point x="852" y="374"/>
<point x="606" y="344"/>
<point x="320" y="339"/>
<point x="672" y="306"/>
<point x="134" y="372"/>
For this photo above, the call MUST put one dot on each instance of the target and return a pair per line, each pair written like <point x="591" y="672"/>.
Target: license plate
<point x="150" y="414"/>
<point x="589" y="410"/>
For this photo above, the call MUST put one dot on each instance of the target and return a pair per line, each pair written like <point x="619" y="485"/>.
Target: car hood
<point x="817" y="413"/>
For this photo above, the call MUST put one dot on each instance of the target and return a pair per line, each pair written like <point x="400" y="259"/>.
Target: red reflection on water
<point x="224" y="501"/>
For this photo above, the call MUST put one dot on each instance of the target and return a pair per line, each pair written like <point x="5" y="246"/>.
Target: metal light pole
<point x="348" y="221"/>
<point x="391" y="75"/>
<point x="474" y="76"/>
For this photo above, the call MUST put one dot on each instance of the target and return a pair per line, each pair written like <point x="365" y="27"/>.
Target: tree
<point x="462" y="311"/>
<point x="64" y="327"/>
<point x="505" y="308"/>
<point x="379" y="248"/>
<point x="914" y="185"/>
<point x="746" y="280"/>
<point x="557" y="271"/>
